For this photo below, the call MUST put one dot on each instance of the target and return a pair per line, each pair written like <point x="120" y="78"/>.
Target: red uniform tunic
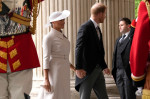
<point x="17" y="47"/>
<point x="140" y="46"/>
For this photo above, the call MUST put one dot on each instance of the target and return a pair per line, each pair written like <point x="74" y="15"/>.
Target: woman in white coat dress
<point x="56" y="48"/>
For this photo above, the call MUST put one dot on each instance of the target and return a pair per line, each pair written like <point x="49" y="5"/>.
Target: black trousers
<point x="125" y="87"/>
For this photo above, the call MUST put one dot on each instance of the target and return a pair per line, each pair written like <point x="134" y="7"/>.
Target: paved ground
<point x="111" y="90"/>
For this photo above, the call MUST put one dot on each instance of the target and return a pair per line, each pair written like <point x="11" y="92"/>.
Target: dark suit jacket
<point x="89" y="50"/>
<point x="125" y="53"/>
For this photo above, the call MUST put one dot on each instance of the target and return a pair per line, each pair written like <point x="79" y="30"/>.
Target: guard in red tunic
<point x="18" y="54"/>
<point x="141" y="45"/>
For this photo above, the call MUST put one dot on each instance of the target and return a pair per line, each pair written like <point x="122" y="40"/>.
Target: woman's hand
<point x="72" y="67"/>
<point x="107" y="71"/>
<point x="47" y="85"/>
<point x="80" y="73"/>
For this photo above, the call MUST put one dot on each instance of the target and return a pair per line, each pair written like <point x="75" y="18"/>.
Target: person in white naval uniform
<point x="56" y="65"/>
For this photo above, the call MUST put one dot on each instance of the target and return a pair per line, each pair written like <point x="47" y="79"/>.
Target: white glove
<point x="139" y="91"/>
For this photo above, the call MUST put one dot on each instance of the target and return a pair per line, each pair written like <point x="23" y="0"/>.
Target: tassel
<point x="35" y="14"/>
<point x="146" y="94"/>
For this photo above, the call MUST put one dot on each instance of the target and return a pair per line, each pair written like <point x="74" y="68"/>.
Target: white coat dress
<point x="56" y="48"/>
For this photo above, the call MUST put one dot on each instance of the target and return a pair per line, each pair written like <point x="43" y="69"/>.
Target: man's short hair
<point x="126" y="20"/>
<point x="97" y="8"/>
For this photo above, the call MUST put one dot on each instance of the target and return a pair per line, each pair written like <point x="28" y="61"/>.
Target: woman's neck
<point x="58" y="29"/>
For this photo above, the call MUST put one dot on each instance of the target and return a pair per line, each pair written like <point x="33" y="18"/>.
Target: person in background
<point x="56" y="48"/>
<point x="139" y="60"/>
<point x="89" y="56"/>
<point x="121" y="67"/>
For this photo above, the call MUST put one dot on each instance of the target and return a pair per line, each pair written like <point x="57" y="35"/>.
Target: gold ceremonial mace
<point x="0" y="5"/>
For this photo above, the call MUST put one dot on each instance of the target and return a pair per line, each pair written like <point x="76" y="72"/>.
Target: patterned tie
<point x="98" y="31"/>
<point x="122" y="38"/>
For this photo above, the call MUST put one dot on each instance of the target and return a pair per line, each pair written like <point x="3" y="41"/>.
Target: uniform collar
<point x="57" y="33"/>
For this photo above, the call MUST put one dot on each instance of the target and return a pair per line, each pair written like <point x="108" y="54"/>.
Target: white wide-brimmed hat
<point x="56" y="16"/>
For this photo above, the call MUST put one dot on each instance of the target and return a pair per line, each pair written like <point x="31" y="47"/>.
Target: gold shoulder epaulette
<point x="20" y="19"/>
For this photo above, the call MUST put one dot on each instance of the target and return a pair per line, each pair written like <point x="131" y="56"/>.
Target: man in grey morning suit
<point x="90" y="56"/>
<point x="121" y="68"/>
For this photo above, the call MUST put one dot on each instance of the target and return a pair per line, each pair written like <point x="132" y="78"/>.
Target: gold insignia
<point x="13" y="53"/>
<point x="12" y="37"/>
<point x="10" y="43"/>
<point x="3" y="44"/>
<point x="16" y="64"/>
<point x="3" y="66"/>
<point x="3" y="54"/>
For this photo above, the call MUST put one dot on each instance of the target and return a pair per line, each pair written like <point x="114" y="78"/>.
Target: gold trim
<point x="13" y="53"/>
<point x="148" y="8"/>
<point x="16" y="64"/>
<point x="3" y="54"/>
<point x="144" y="0"/>
<point x="20" y="19"/>
<point x="35" y="14"/>
<point x="3" y="44"/>
<point x="146" y="94"/>
<point x="0" y="5"/>
<point x="26" y="23"/>
<point x="133" y="26"/>
<point x="137" y="78"/>
<point x="10" y="43"/>
<point x="3" y="66"/>
<point x="12" y="37"/>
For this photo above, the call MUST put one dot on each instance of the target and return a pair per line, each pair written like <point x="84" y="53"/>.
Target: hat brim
<point x="64" y="15"/>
